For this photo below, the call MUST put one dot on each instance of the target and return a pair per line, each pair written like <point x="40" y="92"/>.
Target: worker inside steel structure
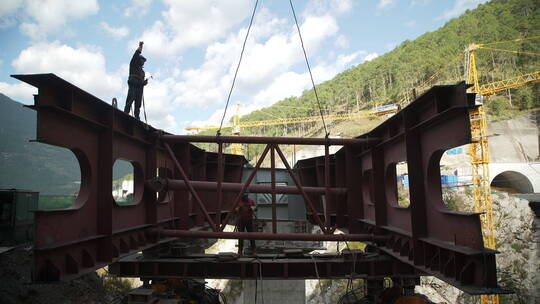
<point x="136" y="81"/>
<point x="244" y="221"/>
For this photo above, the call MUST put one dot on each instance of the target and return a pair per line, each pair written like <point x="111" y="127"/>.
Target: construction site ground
<point x="16" y="285"/>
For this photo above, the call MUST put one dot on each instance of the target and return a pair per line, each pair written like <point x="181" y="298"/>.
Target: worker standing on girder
<point x="136" y="81"/>
<point x="244" y="222"/>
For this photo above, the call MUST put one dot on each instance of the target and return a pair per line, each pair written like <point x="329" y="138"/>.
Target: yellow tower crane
<point x="237" y="125"/>
<point x="479" y="149"/>
<point x="236" y="148"/>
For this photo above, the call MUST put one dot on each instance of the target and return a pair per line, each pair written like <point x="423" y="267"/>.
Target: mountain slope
<point x="386" y="78"/>
<point x="35" y="166"/>
<point x="30" y="165"/>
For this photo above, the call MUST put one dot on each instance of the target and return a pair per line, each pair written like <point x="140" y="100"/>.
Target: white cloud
<point x="272" y="50"/>
<point x="138" y="8"/>
<point x="420" y="2"/>
<point x="207" y="84"/>
<point x="293" y="84"/>
<point x="344" y="61"/>
<point x="390" y="46"/>
<point x="316" y="29"/>
<point x="384" y="4"/>
<point x="285" y="85"/>
<point x="459" y="7"/>
<point x="269" y="59"/>
<point x="268" y="72"/>
<point x="410" y="23"/>
<point x="188" y="24"/>
<point x="332" y="7"/>
<point x="18" y="91"/>
<point x="159" y="104"/>
<point x="371" y="56"/>
<point x="213" y="120"/>
<point x="342" y="42"/>
<point x="83" y="66"/>
<point x="52" y="15"/>
<point x="8" y="9"/>
<point x="116" y="32"/>
<point x="9" y="6"/>
<point x="7" y="21"/>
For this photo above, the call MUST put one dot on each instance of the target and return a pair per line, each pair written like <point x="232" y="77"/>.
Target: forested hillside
<point x="391" y="76"/>
<point x="29" y="165"/>
<point x="50" y="170"/>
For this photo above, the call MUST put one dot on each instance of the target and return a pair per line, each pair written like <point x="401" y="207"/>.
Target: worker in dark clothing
<point x="244" y="221"/>
<point x="136" y="81"/>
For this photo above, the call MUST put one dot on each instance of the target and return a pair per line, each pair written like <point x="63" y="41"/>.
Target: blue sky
<point x="192" y="47"/>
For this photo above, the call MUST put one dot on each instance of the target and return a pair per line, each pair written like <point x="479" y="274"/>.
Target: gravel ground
<point x="16" y="285"/>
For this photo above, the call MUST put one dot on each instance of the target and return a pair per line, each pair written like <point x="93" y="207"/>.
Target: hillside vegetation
<point x="390" y="77"/>
<point x="30" y="165"/>
<point x="52" y="171"/>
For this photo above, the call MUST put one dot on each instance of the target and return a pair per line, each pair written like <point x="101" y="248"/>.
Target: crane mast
<point x="237" y="148"/>
<point x="479" y="152"/>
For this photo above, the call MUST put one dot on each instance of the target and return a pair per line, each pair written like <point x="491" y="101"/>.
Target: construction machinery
<point x="236" y="126"/>
<point x="479" y="149"/>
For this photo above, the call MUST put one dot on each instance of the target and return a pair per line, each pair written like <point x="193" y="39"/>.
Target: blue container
<point x="454" y="151"/>
<point x="449" y="180"/>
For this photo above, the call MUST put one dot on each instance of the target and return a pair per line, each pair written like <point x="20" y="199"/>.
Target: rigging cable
<point x="309" y="69"/>
<point x="237" y="67"/>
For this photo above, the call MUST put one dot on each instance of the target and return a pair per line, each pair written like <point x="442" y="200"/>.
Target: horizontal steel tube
<point x="165" y="184"/>
<point x="268" y="140"/>
<point x="268" y="236"/>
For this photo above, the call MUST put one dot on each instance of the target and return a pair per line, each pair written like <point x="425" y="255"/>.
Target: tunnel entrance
<point x="512" y="182"/>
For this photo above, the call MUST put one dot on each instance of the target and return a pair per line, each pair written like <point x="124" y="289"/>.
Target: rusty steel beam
<point x="273" y="187"/>
<point x="270" y="140"/>
<point x="96" y="231"/>
<point x="244" y="187"/>
<point x="308" y="201"/>
<point x="313" y="267"/>
<point x="219" y="183"/>
<point x="165" y="184"/>
<point x="327" y="196"/>
<point x="438" y="241"/>
<point x="268" y="236"/>
<point x="191" y="189"/>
